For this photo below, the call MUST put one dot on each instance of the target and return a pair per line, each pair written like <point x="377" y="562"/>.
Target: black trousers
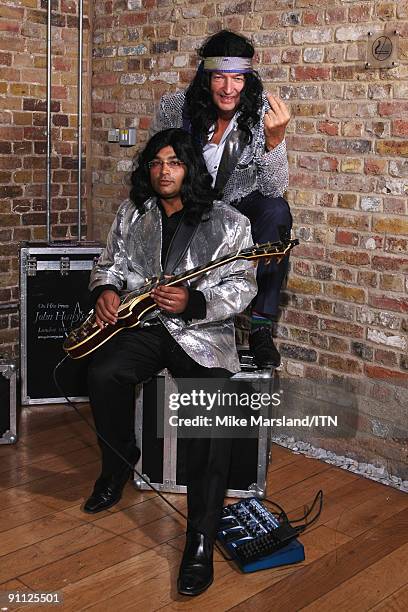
<point x="267" y="215"/>
<point x="133" y="356"/>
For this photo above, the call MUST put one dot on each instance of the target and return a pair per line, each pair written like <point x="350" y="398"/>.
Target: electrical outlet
<point x="127" y="137"/>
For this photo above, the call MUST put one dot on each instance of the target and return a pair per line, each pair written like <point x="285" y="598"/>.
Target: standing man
<point x="171" y="216"/>
<point x="242" y="133"/>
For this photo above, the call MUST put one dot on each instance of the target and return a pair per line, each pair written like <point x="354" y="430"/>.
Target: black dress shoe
<point x="196" y="569"/>
<point x="261" y="345"/>
<point x="108" y="490"/>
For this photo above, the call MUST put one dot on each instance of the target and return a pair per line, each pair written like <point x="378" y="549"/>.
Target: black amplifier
<point x="54" y="299"/>
<point x="163" y="459"/>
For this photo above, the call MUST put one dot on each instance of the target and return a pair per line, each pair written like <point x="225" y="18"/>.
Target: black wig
<point x="197" y="193"/>
<point x="200" y="109"/>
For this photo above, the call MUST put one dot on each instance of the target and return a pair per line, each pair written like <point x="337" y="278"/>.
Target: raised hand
<point x="275" y="122"/>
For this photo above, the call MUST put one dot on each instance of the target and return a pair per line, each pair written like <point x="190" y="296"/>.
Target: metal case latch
<point x="31" y="265"/>
<point x="64" y="266"/>
<point x="257" y="490"/>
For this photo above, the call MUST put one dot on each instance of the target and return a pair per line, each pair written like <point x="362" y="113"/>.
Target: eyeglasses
<point x="173" y="164"/>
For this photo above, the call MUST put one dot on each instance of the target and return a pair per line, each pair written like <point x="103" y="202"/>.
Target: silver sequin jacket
<point x="257" y="169"/>
<point x="133" y="253"/>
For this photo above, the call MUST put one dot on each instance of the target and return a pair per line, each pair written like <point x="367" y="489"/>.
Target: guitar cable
<point x="283" y="516"/>
<point x="112" y="448"/>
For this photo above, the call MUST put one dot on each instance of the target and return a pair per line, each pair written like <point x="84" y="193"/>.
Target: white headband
<point x="228" y="64"/>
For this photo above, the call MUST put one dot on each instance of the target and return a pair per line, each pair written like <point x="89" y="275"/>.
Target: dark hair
<point x="200" y="108"/>
<point x="197" y="193"/>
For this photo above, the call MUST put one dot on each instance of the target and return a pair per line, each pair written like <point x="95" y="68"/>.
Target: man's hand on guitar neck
<point x="106" y="308"/>
<point x="170" y="298"/>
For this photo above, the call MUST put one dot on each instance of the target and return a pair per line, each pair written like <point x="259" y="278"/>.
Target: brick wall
<point x="23" y="137"/>
<point x="345" y="307"/>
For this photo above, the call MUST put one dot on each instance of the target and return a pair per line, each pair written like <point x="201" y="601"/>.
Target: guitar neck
<point x="274" y="250"/>
<point x="221" y="261"/>
<point x="249" y="253"/>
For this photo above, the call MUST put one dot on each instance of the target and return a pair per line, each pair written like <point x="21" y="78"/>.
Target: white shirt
<point x="213" y="152"/>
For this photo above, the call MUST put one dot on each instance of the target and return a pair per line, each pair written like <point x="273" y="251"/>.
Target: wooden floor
<point x="127" y="558"/>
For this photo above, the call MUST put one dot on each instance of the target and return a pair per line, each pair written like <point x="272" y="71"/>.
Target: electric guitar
<point x="135" y="305"/>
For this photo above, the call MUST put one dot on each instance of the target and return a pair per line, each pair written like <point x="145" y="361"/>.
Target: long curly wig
<point x="197" y="194"/>
<point x="200" y="108"/>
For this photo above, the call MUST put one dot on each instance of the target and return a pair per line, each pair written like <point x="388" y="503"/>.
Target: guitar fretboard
<point x="254" y="252"/>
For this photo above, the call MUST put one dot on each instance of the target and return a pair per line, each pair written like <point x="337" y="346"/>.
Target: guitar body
<point x="88" y="337"/>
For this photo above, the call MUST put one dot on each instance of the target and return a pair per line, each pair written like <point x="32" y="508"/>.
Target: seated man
<point x="191" y="332"/>
<point x="242" y="134"/>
